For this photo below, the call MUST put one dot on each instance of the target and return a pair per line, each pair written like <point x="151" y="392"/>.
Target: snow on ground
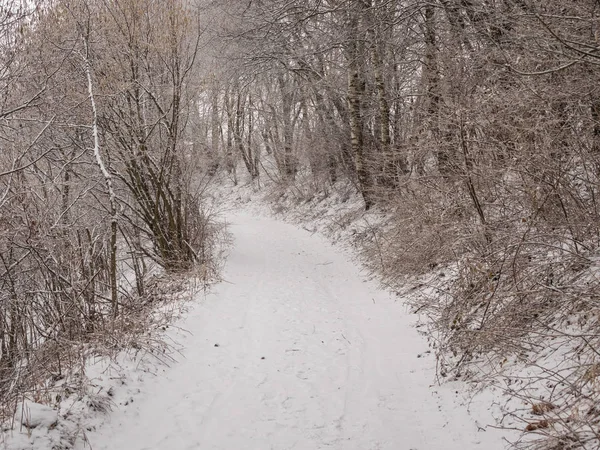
<point x="295" y="350"/>
<point x="105" y="378"/>
<point x="33" y="415"/>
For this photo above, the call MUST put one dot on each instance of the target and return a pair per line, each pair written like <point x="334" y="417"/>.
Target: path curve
<point x="295" y="350"/>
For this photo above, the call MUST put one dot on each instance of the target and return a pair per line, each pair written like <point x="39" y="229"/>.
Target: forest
<point x="473" y="125"/>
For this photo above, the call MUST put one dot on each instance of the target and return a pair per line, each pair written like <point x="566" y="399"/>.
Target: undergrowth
<point x="56" y="369"/>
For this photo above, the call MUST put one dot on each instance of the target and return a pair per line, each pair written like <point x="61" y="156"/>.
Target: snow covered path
<point x="295" y="351"/>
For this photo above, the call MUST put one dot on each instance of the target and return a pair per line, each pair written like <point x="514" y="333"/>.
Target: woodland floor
<point x="296" y="350"/>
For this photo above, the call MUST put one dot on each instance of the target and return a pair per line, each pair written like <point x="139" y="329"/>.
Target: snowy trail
<point x="295" y="351"/>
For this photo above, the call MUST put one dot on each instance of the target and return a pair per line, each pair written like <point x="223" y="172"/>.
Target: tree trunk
<point x="356" y="88"/>
<point x="112" y="198"/>
<point x="214" y="137"/>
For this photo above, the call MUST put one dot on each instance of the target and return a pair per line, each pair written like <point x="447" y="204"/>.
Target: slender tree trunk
<point x="288" y="132"/>
<point x="356" y="88"/>
<point x="432" y="83"/>
<point x="214" y="137"/>
<point x="388" y="158"/>
<point x="595" y="110"/>
<point x="229" y="151"/>
<point x="112" y="198"/>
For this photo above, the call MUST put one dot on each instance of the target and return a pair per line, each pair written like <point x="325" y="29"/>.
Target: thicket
<point x="100" y="208"/>
<point x="476" y="125"/>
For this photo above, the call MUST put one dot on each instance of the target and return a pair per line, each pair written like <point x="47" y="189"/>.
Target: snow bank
<point x="33" y="415"/>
